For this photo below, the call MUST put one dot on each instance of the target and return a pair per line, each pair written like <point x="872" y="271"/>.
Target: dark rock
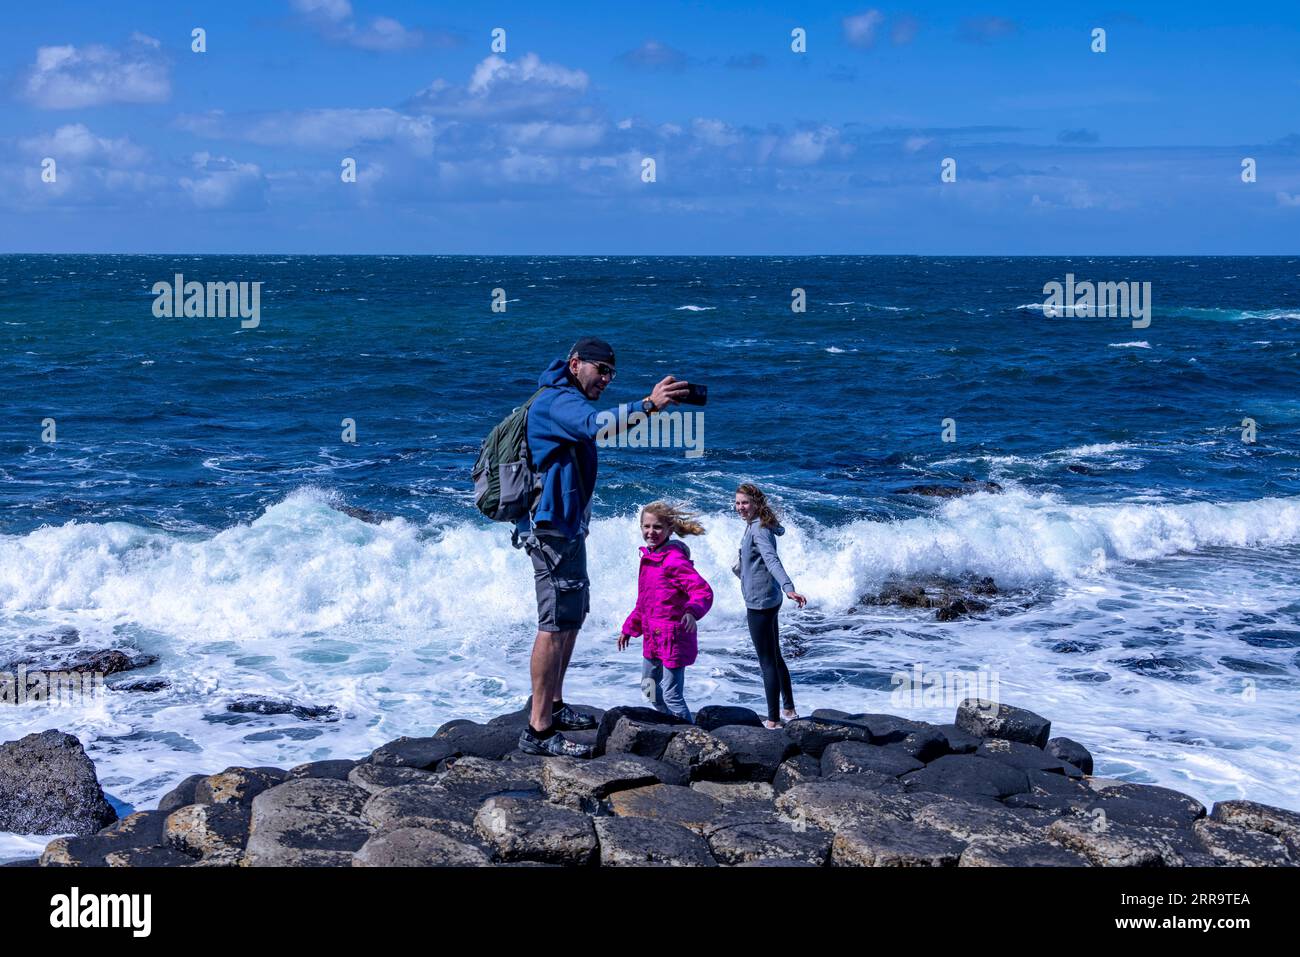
<point x="703" y="756"/>
<point x="1277" y="821"/>
<point x="769" y="840"/>
<point x="993" y="825"/>
<point x="853" y="757"/>
<point x="48" y="786"/>
<point x="991" y="720"/>
<point x="1109" y="844"/>
<point x="584" y="784"/>
<point x="637" y="737"/>
<point x="642" y="842"/>
<point x="139" y="830"/>
<point x="925" y="745"/>
<point x="492" y="741"/>
<point x="889" y="728"/>
<point x="796" y="770"/>
<point x="739" y="795"/>
<point x="364" y="514"/>
<point x="336" y="769"/>
<point x="523" y="830"/>
<point x="418" y="847"/>
<point x="758" y="752"/>
<point x="843" y="802"/>
<point x="1019" y="855"/>
<point x="1235" y="846"/>
<point x="959" y="741"/>
<point x="141" y="685"/>
<point x="891" y="843"/>
<point x="271" y="706"/>
<point x="424" y="753"/>
<point x="1147" y="804"/>
<point x="237" y="785"/>
<point x="23" y="862"/>
<point x="665" y="802"/>
<point x="609" y="720"/>
<point x="215" y="833"/>
<point x="307" y="822"/>
<point x="148" y="857"/>
<point x="182" y="794"/>
<point x="1024" y="756"/>
<point x="949" y="491"/>
<point x="713" y="716"/>
<point x="1071" y="752"/>
<point x="375" y="777"/>
<point x="969" y="774"/>
<point x="812" y="735"/>
<point x="426" y="806"/>
<point x="960" y="608"/>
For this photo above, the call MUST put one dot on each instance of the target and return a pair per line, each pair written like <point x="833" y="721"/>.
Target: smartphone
<point x="696" y="395"/>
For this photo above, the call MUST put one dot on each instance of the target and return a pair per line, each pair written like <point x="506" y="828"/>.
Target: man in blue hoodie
<point x="562" y="429"/>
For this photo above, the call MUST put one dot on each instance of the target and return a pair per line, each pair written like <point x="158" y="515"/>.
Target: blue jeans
<point x="665" y="687"/>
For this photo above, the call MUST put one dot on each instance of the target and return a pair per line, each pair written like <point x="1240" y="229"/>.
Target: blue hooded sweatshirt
<point x="560" y="419"/>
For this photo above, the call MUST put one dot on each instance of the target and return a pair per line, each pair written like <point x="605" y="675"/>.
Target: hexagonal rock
<point x="142" y="829"/>
<point x="886" y="843"/>
<point x="737" y="792"/>
<point x="959" y="741"/>
<point x="1121" y="845"/>
<point x="980" y="854"/>
<point x="217" y="833"/>
<point x="837" y="804"/>
<point x="523" y="830"/>
<point x="666" y="802"/>
<point x="491" y="741"/>
<point x="376" y="777"/>
<point x="813" y="735"/>
<point x="609" y="720"/>
<point x="645" y="842"/>
<point x="148" y="857"/>
<point x="889" y="728"/>
<point x="853" y="757"/>
<point x="796" y="770"/>
<point x="758" y="752"/>
<point x="702" y="755"/>
<point x="583" y="784"/>
<point x="718" y="715"/>
<point x="182" y="794"/>
<point x="1146" y="804"/>
<point x="404" y="752"/>
<point x="1277" y="821"/>
<point x="418" y="847"/>
<point x="1017" y="754"/>
<point x="489" y="778"/>
<point x="986" y="719"/>
<point x="308" y="822"/>
<point x="1238" y="847"/>
<point x="336" y="769"/>
<point x="638" y="737"/>
<point x="1071" y="752"/>
<point x="968" y="822"/>
<point x="925" y="745"/>
<point x="769" y="840"/>
<point x="236" y="785"/>
<point x="969" y="774"/>
<point x="432" y="807"/>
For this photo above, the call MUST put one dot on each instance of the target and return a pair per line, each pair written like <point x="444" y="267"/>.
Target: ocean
<point x="1145" y="552"/>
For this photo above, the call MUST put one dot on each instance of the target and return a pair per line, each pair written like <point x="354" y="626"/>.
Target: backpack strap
<point x="577" y="471"/>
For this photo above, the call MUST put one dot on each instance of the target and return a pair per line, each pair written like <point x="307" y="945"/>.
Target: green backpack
<point x="505" y="483"/>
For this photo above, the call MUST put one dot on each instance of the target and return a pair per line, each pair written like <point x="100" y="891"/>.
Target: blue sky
<point x="758" y="149"/>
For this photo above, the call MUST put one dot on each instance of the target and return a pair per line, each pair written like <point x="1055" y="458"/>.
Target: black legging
<point x="764" y="633"/>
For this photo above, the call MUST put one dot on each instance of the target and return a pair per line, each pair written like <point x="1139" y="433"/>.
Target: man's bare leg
<point x="570" y="643"/>
<point x="551" y="651"/>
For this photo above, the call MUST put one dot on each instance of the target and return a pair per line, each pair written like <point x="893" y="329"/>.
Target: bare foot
<point x="772" y="725"/>
<point x="789" y="715"/>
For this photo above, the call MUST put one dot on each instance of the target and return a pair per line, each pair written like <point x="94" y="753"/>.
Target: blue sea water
<point x="1146" y="554"/>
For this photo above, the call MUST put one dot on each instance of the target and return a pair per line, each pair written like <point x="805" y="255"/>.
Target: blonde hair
<point x="680" y="521"/>
<point x="767" y="516"/>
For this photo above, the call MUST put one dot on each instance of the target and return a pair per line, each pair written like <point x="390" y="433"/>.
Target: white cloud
<point x="1288" y="199"/>
<point x="334" y="20"/>
<point x="70" y="77"/>
<point x="223" y="183"/>
<point x="316" y="129"/>
<point x="74" y="143"/>
<point x="499" y="87"/>
<point x="860" y="29"/>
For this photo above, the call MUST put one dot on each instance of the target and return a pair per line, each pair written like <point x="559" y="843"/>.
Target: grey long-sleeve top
<point x="763" y="579"/>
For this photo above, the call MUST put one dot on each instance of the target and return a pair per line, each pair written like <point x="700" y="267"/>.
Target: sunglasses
<point x="601" y="368"/>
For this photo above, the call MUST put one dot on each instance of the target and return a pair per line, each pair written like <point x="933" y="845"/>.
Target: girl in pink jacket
<point x="671" y="599"/>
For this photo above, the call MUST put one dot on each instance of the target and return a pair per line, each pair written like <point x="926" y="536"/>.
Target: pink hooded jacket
<point x="668" y="587"/>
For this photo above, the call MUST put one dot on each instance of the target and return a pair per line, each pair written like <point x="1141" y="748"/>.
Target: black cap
<point x="593" y="350"/>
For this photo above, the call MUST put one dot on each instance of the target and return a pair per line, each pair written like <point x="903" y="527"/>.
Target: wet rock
<point x="949" y="491"/>
<point x="959" y="608"/>
<point x="423" y="753"/>
<point x="104" y="661"/>
<point x="375" y="777"/>
<point x="307" y="822"/>
<point x="418" y="847"/>
<point x="969" y="774"/>
<point x="959" y="741"/>
<point x="853" y="757"/>
<point x="685" y="806"/>
<point x="364" y="514"/>
<point x="148" y="857"/>
<point x="142" y="829"/>
<point x="272" y="706"/>
<point x="796" y="770"/>
<point x="642" y="842"/>
<point x="769" y="840"/>
<point x="702" y="755"/>
<point x="48" y="786"/>
<point x="237" y="785"/>
<point x="1279" y="822"/>
<point x="523" y="830"/>
<point x="141" y="685"/>
<point x="637" y="737"/>
<point x="336" y="769"/>
<point x="889" y="728"/>
<point x="812" y="735"/>
<point x="758" y="752"/>
<point x="995" y="825"/>
<point x="215" y="833"/>
<point x="891" y="843"/>
<point x="1026" y="757"/>
<point x="925" y="745"/>
<point x="584" y="784"/>
<point x="1146" y="804"/>
<point x="1235" y="846"/>
<point x="426" y="806"/>
<point x="1071" y="752"/>
<point x="713" y="716"/>
<point x="609" y="720"/>
<point x="492" y="741"/>
<point x="990" y="720"/>
<point x="182" y="794"/>
<point x="1020" y="855"/>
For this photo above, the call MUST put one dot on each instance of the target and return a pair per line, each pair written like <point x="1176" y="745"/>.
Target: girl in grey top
<point x="763" y="583"/>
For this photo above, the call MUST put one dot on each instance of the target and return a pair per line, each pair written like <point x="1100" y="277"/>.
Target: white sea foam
<point x="695" y="308"/>
<point x="1140" y="344"/>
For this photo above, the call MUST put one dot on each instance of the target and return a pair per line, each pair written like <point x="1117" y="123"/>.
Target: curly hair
<point x="767" y="515"/>
<point x="680" y="521"/>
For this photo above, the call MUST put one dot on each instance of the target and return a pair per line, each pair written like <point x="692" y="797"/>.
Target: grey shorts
<point x="560" y="574"/>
